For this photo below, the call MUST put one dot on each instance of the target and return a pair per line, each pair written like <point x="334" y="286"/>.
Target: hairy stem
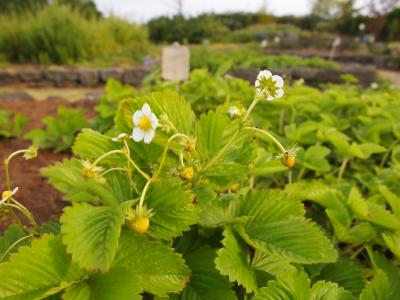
<point x="269" y="135"/>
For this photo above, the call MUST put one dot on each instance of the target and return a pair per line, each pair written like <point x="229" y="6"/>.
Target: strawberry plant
<point x="11" y="125"/>
<point x="60" y="131"/>
<point x="224" y="205"/>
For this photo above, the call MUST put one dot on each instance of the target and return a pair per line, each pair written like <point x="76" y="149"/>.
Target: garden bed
<point x="35" y="193"/>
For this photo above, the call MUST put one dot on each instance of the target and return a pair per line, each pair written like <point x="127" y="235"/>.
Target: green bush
<point x="59" y="35"/>
<point x="249" y="57"/>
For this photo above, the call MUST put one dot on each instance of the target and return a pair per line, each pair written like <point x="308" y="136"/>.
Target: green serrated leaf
<point x="91" y="234"/>
<point x="377" y="288"/>
<point x="174" y="211"/>
<point x="118" y="283"/>
<point x="205" y="282"/>
<point x="233" y="260"/>
<point x="296" y="285"/>
<point x="38" y="271"/>
<point x="294" y="238"/>
<point x="159" y="270"/>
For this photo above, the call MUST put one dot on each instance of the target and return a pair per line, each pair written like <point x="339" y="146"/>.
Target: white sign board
<point x="175" y="63"/>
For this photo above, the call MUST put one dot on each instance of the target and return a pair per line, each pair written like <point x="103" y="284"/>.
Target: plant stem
<point x="131" y="161"/>
<point x="141" y="201"/>
<point x="250" y="109"/>
<point x="8" y="181"/>
<point x="270" y="136"/>
<point x="13" y="245"/>
<point x="111" y="170"/>
<point x="176" y="135"/>
<point x="342" y="169"/>
<point x="301" y="174"/>
<point x="107" y="154"/>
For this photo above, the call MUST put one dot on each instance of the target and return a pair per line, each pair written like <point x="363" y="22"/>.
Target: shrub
<point x="59" y="35"/>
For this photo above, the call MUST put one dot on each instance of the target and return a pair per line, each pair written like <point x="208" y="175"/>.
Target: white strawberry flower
<point x="233" y="111"/>
<point x="145" y="123"/>
<point x="119" y="137"/>
<point x="268" y="85"/>
<point x="8" y="194"/>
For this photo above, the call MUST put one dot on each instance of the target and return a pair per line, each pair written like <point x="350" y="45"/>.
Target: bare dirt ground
<point x="35" y="193"/>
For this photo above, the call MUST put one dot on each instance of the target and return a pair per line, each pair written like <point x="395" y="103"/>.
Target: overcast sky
<point x="143" y="10"/>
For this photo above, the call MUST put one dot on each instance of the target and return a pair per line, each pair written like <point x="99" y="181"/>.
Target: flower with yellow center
<point x="145" y="123"/>
<point x="7" y="195"/>
<point x="268" y="85"/>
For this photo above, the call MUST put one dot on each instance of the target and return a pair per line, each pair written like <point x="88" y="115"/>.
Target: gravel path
<point x="394" y="76"/>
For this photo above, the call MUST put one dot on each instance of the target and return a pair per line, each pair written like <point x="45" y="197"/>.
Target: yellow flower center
<point x="6" y="194"/>
<point x="144" y="123"/>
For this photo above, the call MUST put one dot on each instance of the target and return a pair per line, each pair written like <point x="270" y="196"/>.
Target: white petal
<point x="279" y="93"/>
<point x="148" y="136"/>
<point x="146" y="109"/>
<point x="137" y="134"/>
<point x="15" y="190"/>
<point x="257" y="83"/>
<point x="270" y="98"/>
<point x="137" y="116"/>
<point x="278" y="81"/>
<point x="154" y="121"/>
<point x="265" y="73"/>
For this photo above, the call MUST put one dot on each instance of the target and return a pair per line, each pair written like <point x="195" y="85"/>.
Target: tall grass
<point x="59" y="35"/>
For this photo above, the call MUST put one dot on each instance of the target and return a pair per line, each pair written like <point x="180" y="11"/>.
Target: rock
<point x="7" y="77"/>
<point x="88" y="77"/>
<point x="106" y="74"/>
<point x="62" y="77"/>
<point x="31" y="76"/>
<point x="135" y="76"/>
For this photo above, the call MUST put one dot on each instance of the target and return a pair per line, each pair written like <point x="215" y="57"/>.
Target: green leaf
<point x="173" y="208"/>
<point x="294" y="238"/>
<point x="314" y="159"/>
<point x="38" y="271"/>
<point x="365" y="150"/>
<point x="159" y="270"/>
<point x="296" y="285"/>
<point x="392" y="272"/>
<point x="318" y="192"/>
<point x="276" y="225"/>
<point x="271" y="263"/>
<point x="392" y="240"/>
<point x="91" y="234"/>
<point x="377" y="288"/>
<point x="205" y="282"/>
<point x="267" y="206"/>
<point x="233" y="260"/>
<point x="391" y="198"/>
<point x="118" y="283"/>
<point x="9" y="241"/>
<point x="168" y="103"/>
<point x="345" y="273"/>
<point x="90" y="145"/>
<point x="213" y="131"/>
<point x="67" y="177"/>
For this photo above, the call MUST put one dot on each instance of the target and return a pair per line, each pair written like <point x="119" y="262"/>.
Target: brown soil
<point x="35" y="193"/>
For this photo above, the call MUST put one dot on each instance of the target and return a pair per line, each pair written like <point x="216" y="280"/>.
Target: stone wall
<point x="70" y="77"/>
<point x="315" y="77"/>
<point x="89" y="77"/>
